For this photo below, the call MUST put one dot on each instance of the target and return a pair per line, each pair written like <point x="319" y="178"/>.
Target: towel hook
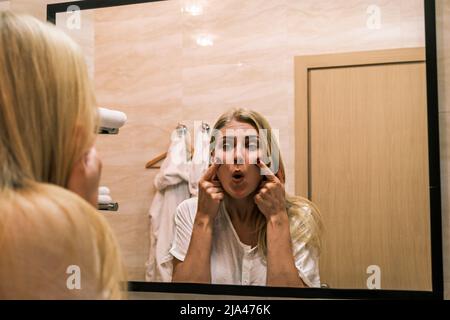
<point x="181" y="129"/>
<point x="205" y="127"/>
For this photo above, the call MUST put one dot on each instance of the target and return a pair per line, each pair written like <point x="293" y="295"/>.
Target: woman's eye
<point x="251" y="143"/>
<point x="227" y="146"/>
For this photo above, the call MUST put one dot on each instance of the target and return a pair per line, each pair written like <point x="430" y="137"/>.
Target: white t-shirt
<point x="233" y="262"/>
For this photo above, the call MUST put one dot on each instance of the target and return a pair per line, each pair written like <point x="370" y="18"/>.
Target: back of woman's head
<point x="54" y="246"/>
<point x="47" y="114"/>
<point x="47" y="122"/>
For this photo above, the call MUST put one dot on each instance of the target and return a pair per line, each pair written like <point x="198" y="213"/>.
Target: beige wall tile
<point x="130" y="230"/>
<point x="330" y="26"/>
<point x="83" y="34"/>
<point x="37" y="8"/>
<point x="4" y="5"/>
<point x="141" y="76"/>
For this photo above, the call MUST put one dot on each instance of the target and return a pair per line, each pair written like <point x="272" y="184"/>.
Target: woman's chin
<point x="239" y="194"/>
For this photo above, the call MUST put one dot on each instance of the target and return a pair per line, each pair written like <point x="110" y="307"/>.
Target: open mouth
<point x="237" y="176"/>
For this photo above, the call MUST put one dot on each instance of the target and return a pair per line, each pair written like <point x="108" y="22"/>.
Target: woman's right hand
<point x="210" y="194"/>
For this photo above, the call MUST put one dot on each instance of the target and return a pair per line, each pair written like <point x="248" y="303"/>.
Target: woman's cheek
<point x="253" y="157"/>
<point x="255" y="177"/>
<point x="221" y="175"/>
<point x="225" y="157"/>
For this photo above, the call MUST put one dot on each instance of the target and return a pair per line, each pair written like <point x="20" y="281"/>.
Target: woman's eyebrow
<point x="247" y="137"/>
<point x="228" y="138"/>
<point x="252" y="137"/>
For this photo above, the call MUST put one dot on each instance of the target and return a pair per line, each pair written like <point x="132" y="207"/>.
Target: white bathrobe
<point x="177" y="180"/>
<point x="200" y="159"/>
<point x="172" y="188"/>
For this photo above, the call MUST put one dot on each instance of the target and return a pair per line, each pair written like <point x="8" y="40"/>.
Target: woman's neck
<point x="241" y="210"/>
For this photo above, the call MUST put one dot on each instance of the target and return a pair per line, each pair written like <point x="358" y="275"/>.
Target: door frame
<point x="304" y="65"/>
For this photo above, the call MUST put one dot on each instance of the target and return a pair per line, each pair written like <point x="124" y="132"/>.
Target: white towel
<point x="104" y="191"/>
<point x="104" y="199"/>
<point x="200" y="159"/>
<point x="171" y="189"/>
<point x="111" y="119"/>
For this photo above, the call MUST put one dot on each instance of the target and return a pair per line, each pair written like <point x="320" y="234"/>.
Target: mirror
<point x="343" y="86"/>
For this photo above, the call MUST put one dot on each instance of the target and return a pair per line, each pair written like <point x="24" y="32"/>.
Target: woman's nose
<point x="239" y="156"/>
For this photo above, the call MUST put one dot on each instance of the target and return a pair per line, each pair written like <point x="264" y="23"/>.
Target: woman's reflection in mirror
<point x="243" y="228"/>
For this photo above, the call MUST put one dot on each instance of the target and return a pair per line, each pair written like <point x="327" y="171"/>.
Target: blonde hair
<point x="47" y="122"/>
<point x="304" y="216"/>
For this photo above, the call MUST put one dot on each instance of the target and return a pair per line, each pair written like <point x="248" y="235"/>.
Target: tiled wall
<point x="80" y="26"/>
<point x="4" y="5"/>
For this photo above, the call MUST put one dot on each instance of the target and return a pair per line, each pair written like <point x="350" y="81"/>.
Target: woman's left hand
<point x="271" y="196"/>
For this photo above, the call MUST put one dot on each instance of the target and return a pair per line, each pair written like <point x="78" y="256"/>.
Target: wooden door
<point x="362" y="157"/>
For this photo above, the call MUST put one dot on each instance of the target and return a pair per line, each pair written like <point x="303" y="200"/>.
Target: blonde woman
<point x="53" y="243"/>
<point x="243" y="228"/>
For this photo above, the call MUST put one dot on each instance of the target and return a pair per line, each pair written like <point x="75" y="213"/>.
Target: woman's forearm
<point x="196" y="266"/>
<point x="281" y="269"/>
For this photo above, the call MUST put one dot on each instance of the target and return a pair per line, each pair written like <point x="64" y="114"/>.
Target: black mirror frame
<point x="437" y="292"/>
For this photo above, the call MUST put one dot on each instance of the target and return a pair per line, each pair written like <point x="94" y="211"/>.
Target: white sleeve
<point x="307" y="263"/>
<point x="184" y="221"/>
